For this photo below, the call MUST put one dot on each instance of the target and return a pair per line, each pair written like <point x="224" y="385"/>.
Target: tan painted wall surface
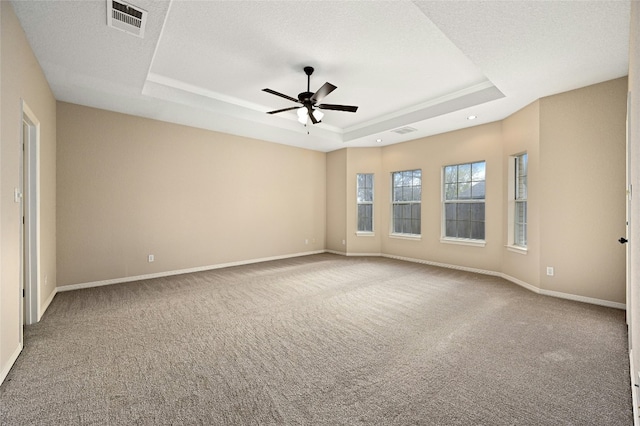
<point x="521" y="133"/>
<point x="336" y="200"/>
<point x="129" y="187"/>
<point x="22" y="78"/>
<point x="582" y="190"/>
<point x="431" y="155"/>
<point x="363" y="160"/>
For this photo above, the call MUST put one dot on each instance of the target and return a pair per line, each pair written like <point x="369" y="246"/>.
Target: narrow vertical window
<point x="365" y="202"/>
<point x="520" y="201"/>
<point x="406" y="199"/>
<point x="464" y="201"/>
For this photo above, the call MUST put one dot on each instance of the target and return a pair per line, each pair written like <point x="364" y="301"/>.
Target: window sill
<point x="463" y="242"/>
<point x="411" y="237"/>
<point x="365" y="234"/>
<point x="516" y="249"/>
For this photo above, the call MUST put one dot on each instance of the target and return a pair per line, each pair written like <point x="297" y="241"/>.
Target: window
<point x="407" y="193"/>
<point x="464" y="192"/>
<point x="520" y="201"/>
<point x="365" y="202"/>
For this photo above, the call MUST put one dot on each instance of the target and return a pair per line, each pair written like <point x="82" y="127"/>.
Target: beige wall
<point x="576" y="208"/>
<point x="22" y="79"/>
<point x="521" y="133"/>
<point x="129" y="187"/>
<point x="431" y="155"/>
<point x="336" y="201"/>
<point x="582" y="190"/>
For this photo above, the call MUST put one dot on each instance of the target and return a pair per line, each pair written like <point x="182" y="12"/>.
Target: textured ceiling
<point x="427" y="65"/>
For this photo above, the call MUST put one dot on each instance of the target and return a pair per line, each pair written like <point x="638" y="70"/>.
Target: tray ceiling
<point x="426" y="65"/>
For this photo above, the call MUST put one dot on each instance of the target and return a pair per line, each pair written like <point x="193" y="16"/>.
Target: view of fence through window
<point x="464" y="201"/>
<point x="406" y="199"/>
<point x="365" y="202"/>
<point x="520" y="213"/>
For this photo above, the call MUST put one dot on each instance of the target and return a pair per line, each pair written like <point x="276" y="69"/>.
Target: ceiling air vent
<point x="126" y="17"/>
<point x="404" y="130"/>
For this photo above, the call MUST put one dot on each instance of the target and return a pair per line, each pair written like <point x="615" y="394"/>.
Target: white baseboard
<point x="584" y="299"/>
<point x="46" y="303"/>
<point x="443" y="265"/>
<point x="521" y="283"/>
<point x="287" y="256"/>
<point x="7" y="367"/>
<point x="180" y="271"/>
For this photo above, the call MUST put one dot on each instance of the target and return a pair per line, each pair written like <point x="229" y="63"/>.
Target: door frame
<point x="31" y="211"/>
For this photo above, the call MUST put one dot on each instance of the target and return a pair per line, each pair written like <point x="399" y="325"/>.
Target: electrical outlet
<point x="550" y="271"/>
<point x="151" y="258"/>
<point x="344" y="242"/>
<point x="306" y="241"/>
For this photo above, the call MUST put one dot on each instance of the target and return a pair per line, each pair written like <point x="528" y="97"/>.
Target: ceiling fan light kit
<point x="310" y="107"/>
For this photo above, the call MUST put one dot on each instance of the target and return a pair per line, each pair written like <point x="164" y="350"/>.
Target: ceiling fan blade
<point x="310" y="113"/>
<point x="347" y="108"/>
<point x="322" y="92"/>
<point x="273" y="92"/>
<point x="283" y="110"/>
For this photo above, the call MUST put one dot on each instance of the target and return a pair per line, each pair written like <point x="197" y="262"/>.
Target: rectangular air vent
<point x="403" y="130"/>
<point x="126" y="17"/>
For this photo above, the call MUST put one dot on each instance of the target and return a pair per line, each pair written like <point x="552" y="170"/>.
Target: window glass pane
<point x="417" y="193"/>
<point x="368" y="195"/>
<point x="397" y="211"/>
<point x="451" y="174"/>
<point x="362" y="179"/>
<point x="407" y="193"/>
<point x="450" y="211"/>
<point x="463" y="229"/>
<point x="415" y="211"/>
<point x="464" y="211"/>
<point x="477" y="212"/>
<point x="415" y="229"/>
<point x="450" y="191"/>
<point x="521" y="188"/>
<point x="464" y="191"/>
<point x="478" y="171"/>
<point x="477" y="230"/>
<point x="464" y="173"/>
<point x="407" y="178"/>
<point x="477" y="190"/>
<point x="406" y="211"/>
<point x="451" y="229"/>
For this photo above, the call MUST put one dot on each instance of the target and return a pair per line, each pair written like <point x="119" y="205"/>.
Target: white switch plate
<point x="550" y="271"/>
<point x="151" y="258"/>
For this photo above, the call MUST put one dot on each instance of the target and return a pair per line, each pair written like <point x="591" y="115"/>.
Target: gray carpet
<point x="321" y="340"/>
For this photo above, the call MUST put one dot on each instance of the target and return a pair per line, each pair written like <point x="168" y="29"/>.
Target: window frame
<point x="411" y="203"/>
<point x="359" y="203"/>
<point x="515" y="198"/>
<point x="444" y="238"/>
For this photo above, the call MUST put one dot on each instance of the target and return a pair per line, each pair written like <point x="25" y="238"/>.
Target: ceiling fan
<point x="310" y="107"/>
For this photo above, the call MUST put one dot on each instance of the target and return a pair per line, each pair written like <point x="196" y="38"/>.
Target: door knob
<point x="623" y="240"/>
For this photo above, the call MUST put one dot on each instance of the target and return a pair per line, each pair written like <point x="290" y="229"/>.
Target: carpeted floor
<point x="321" y="340"/>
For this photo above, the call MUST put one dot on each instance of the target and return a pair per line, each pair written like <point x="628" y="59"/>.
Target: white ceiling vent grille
<point x="126" y="17"/>
<point x="404" y="130"/>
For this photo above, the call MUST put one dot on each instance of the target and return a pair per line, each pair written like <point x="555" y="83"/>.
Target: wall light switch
<point x="151" y="258"/>
<point x="550" y="271"/>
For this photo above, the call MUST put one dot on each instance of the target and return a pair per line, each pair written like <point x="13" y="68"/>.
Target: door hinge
<point x="23" y="293"/>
